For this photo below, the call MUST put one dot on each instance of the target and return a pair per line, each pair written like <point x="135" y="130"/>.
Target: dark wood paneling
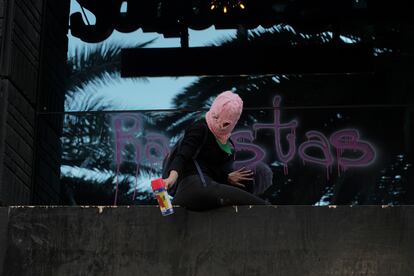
<point x="25" y="115"/>
<point x="21" y="167"/>
<point x="52" y="75"/>
<point x="44" y="194"/>
<point x="16" y="191"/>
<point x="1" y="27"/>
<point x="3" y="117"/>
<point x="21" y="49"/>
<point x="11" y="161"/>
<point x="33" y="56"/>
<point x="17" y="145"/>
<point x="23" y="74"/>
<point x="1" y="9"/>
<point x="5" y="33"/>
<point x="20" y="62"/>
<point x="26" y="31"/>
<point x="4" y="223"/>
<point x="19" y="124"/>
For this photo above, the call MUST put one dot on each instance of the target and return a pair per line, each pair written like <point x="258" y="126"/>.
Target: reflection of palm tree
<point x="96" y="66"/>
<point x="199" y="94"/>
<point x="94" y="192"/>
<point x="304" y="186"/>
<point x="300" y="187"/>
<point x="87" y="139"/>
<point x="259" y="91"/>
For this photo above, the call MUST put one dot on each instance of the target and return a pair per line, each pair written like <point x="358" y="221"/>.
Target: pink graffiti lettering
<point x="123" y="137"/>
<point x="239" y="138"/>
<point x="277" y="127"/>
<point x="350" y="150"/>
<point x="317" y="140"/>
<point x="348" y="140"/>
<point x="156" y="147"/>
<point x="126" y="136"/>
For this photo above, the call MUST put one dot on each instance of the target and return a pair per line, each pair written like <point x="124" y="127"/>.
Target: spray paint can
<point x="158" y="187"/>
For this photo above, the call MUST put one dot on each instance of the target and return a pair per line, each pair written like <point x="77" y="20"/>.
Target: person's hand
<point x="235" y="177"/>
<point x="172" y="178"/>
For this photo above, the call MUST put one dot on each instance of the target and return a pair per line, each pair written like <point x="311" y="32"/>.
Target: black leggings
<point x="192" y="195"/>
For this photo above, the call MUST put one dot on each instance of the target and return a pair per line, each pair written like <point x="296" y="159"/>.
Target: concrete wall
<point x="257" y="240"/>
<point x="33" y="46"/>
<point x="4" y="223"/>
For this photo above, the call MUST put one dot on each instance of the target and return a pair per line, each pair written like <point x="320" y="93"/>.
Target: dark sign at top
<point x="171" y="17"/>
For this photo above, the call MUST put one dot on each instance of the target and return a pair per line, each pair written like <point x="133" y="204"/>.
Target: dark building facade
<point x="33" y="49"/>
<point x="32" y="72"/>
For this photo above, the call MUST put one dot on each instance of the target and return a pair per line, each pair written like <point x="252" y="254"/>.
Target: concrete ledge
<point x="4" y="222"/>
<point x="256" y="240"/>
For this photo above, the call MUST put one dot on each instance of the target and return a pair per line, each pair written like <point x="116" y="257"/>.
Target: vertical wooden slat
<point x="33" y="48"/>
<point x="52" y="74"/>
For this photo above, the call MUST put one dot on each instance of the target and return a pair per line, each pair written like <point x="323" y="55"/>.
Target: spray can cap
<point x="157" y="184"/>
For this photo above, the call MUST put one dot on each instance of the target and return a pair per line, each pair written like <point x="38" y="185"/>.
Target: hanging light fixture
<point x="227" y="5"/>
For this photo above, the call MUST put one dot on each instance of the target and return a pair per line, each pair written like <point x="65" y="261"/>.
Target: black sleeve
<point x="227" y="168"/>
<point x="193" y="137"/>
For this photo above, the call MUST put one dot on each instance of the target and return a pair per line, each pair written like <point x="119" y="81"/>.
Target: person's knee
<point x="263" y="178"/>
<point x="199" y="198"/>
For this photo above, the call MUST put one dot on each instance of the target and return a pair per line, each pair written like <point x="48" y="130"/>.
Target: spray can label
<point x="164" y="201"/>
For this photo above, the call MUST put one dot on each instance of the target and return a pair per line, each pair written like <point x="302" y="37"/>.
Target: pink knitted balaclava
<point x="224" y="114"/>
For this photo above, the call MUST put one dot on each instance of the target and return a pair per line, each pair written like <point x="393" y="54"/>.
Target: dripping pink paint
<point x="151" y="147"/>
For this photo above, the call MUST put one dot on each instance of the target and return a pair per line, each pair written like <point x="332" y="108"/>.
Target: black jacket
<point x="213" y="161"/>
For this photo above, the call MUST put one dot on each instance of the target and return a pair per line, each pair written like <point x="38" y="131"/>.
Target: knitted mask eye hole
<point x="226" y="124"/>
